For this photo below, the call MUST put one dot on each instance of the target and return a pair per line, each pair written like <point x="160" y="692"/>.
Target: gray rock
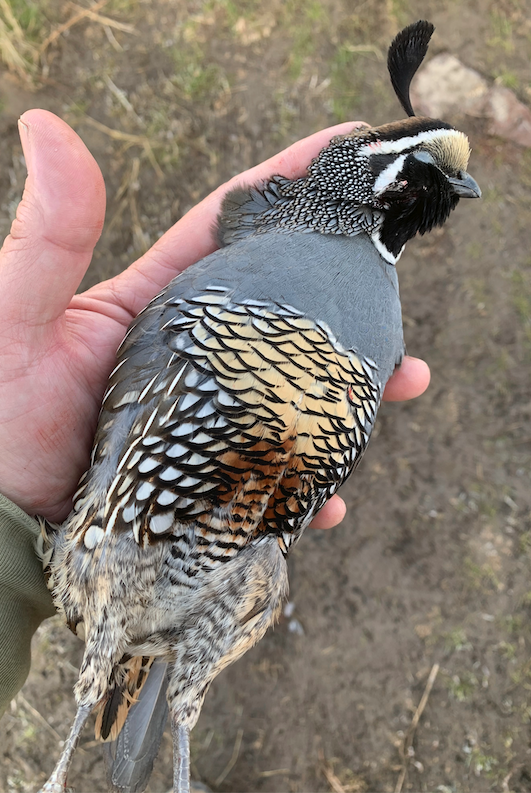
<point x="446" y="87"/>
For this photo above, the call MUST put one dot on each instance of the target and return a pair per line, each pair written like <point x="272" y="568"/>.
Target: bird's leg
<point x="57" y="781"/>
<point x="181" y="756"/>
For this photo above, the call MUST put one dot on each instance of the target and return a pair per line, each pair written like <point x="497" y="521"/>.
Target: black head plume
<point x="405" y="55"/>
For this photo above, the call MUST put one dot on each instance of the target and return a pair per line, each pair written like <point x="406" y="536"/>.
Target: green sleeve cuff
<point x="24" y="599"/>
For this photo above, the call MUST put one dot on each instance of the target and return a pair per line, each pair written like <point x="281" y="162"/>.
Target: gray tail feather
<point x="129" y="759"/>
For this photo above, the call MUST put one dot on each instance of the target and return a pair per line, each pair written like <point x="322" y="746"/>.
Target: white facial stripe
<point x="389" y="174"/>
<point x="382" y="250"/>
<point x="402" y="144"/>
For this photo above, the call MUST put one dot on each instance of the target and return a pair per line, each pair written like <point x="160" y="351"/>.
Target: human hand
<point x="57" y="348"/>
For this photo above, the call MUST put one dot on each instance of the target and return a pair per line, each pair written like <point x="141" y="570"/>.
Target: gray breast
<point x="342" y="281"/>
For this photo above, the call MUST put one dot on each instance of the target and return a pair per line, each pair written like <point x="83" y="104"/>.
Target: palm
<point x="56" y="351"/>
<point x="46" y="439"/>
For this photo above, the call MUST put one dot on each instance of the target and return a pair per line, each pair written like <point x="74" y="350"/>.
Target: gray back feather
<point x="342" y="281"/>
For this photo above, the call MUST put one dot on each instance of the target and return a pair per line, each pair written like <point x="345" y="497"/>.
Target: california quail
<point x="244" y="395"/>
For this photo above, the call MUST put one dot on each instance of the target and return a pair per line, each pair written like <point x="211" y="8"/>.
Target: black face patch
<point x="425" y="202"/>
<point x="379" y="162"/>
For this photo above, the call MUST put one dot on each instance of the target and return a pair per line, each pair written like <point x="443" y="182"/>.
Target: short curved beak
<point x="465" y="187"/>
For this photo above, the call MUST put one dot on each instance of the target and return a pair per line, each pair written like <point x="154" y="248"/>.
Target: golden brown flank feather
<point x="293" y="407"/>
<point x="290" y="381"/>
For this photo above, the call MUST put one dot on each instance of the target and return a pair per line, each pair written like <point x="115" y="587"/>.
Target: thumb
<point x="58" y="223"/>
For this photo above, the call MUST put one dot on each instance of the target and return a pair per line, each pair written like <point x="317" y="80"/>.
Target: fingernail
<point x="23" y="131"/>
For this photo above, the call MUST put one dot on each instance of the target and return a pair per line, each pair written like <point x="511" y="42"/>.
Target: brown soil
<point x="432" y="563"/>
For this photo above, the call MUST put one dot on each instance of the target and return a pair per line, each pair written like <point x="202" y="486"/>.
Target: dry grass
<point x="16" y="50"/>
<point x="24" y="54"/>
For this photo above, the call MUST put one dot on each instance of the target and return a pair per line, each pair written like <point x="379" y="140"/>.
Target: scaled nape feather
<point x="244" y="395"/>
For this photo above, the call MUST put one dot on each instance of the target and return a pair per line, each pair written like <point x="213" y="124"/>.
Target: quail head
<point x="243" y="397"/>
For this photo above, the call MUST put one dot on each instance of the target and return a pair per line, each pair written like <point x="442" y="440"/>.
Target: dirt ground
<point x="432" y="564"/>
